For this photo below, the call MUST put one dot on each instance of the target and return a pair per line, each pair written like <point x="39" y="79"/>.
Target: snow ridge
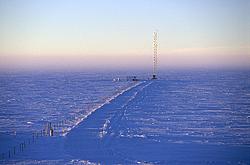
<point x="107" y="101"/>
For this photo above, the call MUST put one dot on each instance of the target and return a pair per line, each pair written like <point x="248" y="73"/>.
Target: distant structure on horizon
<point x="155" y="53"/>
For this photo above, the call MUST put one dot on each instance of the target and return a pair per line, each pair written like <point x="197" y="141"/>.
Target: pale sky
<point x="118" y="33"/>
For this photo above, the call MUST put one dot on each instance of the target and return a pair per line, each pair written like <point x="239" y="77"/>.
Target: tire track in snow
<point x="110" y="129"/>
<point x="111" y="123"/>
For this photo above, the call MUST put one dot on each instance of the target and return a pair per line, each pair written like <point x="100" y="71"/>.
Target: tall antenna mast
<point x="155" y="53"/>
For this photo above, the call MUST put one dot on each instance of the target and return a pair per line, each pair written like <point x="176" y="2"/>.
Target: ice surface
<point x="182" y="118"/>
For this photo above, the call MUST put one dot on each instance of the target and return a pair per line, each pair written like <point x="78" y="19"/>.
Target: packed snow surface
<point x="181" y="118"/>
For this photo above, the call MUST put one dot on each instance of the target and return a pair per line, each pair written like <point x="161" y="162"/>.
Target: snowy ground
<point x="175" y="120"/>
